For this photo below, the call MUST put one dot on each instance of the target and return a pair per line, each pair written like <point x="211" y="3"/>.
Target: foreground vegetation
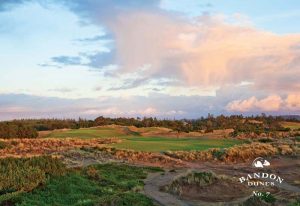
<point x="238" y="153"/>
<point x="25" y="174"/>
<point x="45" y="181"/>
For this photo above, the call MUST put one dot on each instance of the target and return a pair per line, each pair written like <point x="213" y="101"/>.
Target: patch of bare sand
<point x="219" y="191"/>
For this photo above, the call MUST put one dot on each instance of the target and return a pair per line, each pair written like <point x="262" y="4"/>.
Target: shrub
<point x="25" y="174"/>
<point x="51" y="166"/>
<point x="17" y="130"/>
<point x="265" y="140"/>
<point x="118" y="186"/>
<point x="218" y="153"/>
<point x="92" y="173"/>
<point x="3" y="145"/>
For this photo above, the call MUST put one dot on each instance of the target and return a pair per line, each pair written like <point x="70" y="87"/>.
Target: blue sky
<point x="170" y="59"/>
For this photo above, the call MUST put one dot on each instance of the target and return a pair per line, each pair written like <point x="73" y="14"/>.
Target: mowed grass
<point x="134" y="141"/>
<point x="88" y="133"/>
<point x="158" y="144"/>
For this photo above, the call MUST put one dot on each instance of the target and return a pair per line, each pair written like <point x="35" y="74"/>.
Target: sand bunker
<point x="208" y="187"/>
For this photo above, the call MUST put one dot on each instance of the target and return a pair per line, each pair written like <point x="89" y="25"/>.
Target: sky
<point x="163" y="58"/>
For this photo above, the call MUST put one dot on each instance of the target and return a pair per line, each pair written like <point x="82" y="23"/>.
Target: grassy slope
<point x="95" y="185"/>
<point x="133" y="140"/>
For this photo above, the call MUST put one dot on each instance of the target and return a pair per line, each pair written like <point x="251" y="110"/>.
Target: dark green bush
<point x="17" y="130"/>
<point x="3" y="145"/>
<point x="219" y="153"/>
<point x="265" y="140"/>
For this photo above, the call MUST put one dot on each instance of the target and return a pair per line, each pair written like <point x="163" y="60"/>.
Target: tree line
<point x="258" y="124"/>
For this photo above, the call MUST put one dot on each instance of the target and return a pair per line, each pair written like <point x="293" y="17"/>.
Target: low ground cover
<point x="47" y="182"/>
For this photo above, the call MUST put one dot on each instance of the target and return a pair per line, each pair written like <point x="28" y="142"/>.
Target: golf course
<point x="146" y="139"/>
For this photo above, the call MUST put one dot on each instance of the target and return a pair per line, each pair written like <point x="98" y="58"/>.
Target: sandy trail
<point x="152" y="189"/>
<point x="155" y="181"/>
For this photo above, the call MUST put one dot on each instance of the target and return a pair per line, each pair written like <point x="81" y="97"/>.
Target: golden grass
<point x="36" y="147"/>
<point x="239" y="153"/>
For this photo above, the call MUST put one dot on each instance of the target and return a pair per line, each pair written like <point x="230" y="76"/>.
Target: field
<point x="292" y="125"/>
<point x="88" y="133"/>
<point x="157" y="144"/>
<point x="139" y="140"/>
<point x="126" y="165"/>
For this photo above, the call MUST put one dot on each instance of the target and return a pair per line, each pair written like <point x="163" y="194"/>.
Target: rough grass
<point x="108" y="184"/>
<point x="18" y="175"/>
<point x="238" y="153"/>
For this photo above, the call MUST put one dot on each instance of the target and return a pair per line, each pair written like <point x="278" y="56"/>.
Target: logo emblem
<point x="260" y="163"/>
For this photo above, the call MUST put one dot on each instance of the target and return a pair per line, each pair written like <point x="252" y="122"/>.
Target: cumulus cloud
<point x="116" y="111"/>
<point x="206" y="51"/>
<point x="268" y="104"/>
<point x="293" y="102"/>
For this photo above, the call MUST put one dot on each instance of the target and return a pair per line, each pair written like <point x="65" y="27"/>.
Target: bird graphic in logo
<point x="260" y="163"/>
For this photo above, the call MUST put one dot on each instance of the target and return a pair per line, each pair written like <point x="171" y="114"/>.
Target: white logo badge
<point x="260" y="163"/>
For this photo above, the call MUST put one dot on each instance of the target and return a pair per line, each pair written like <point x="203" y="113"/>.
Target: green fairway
<point x="134" y="140"/>
<point x="158" y="144"/>
<point x="89" y="133"/>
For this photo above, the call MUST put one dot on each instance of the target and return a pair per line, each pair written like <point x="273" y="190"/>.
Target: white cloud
<point x="197" y="57"/>
<point x="208" y="52"/>
<point x="242" y="105"/>
<point x="271" y="103"/>
<point x="293" y="102"/>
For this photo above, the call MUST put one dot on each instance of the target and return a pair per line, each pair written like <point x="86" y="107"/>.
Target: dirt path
<point x="152" y="189"/>
<point x="155" y="181"/>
